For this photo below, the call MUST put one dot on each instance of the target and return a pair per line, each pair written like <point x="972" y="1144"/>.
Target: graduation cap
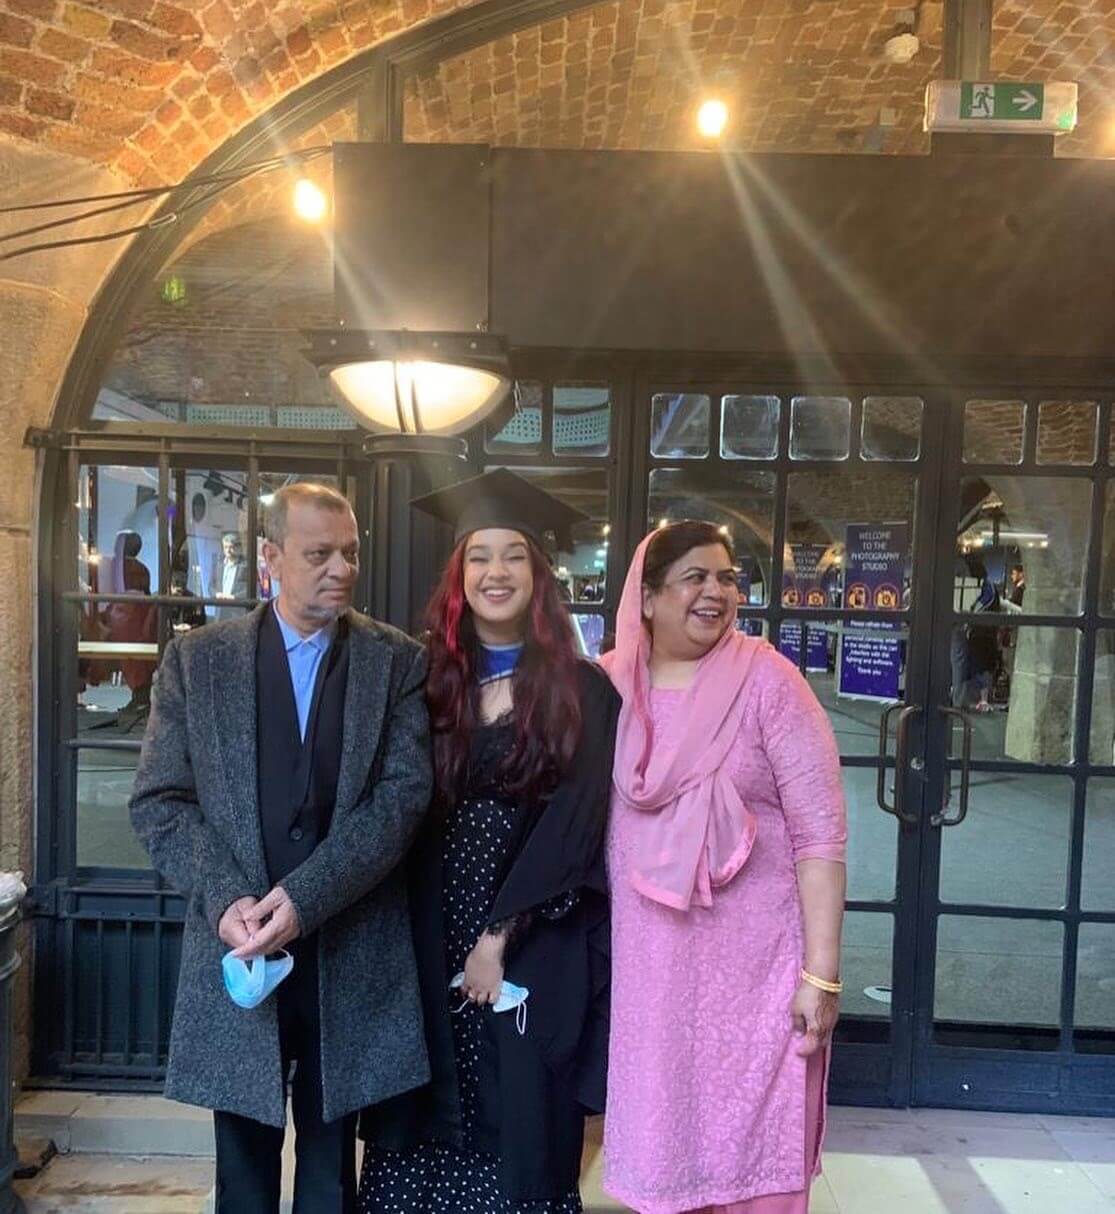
<point x="502" y="499"/>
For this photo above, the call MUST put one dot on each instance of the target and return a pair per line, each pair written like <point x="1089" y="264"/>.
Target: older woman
<point x="726" y="861"/>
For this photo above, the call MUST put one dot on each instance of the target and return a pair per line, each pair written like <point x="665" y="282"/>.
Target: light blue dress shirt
<point x="303" y="655"/>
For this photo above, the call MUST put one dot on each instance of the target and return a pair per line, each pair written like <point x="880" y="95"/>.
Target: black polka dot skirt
<point x="434" y="1178"/>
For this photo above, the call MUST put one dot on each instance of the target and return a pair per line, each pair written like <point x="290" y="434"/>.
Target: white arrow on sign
<point x="1025" y="101"/>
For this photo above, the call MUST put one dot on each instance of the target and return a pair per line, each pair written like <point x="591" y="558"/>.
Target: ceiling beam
<point x="967" y="49"/>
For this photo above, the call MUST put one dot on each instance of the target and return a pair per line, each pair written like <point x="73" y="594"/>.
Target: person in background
<point x="508" y="889"/>
<point x="230" y="576"/>
<point x="285" y="771"/>
<point x="132" y="623"/>
<point x="726" y="865"/>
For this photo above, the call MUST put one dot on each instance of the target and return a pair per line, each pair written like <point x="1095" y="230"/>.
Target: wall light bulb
<point x="309" y="201"/>
<point x="712" y="118"/>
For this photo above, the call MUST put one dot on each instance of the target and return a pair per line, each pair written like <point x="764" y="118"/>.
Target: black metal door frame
<point x="107" y="940"/>
<point x="1041" y="1071"/>
<point x="870" y="1066"/>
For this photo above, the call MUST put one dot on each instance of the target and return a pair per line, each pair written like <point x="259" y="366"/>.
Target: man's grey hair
<point x="310" y="493"/>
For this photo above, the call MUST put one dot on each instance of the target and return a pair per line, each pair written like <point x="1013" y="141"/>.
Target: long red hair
<point x="547" y="706"/>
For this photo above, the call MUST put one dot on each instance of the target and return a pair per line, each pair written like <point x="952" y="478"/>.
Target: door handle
<point x="941" y="818"/>
<point x="906" y="713"/>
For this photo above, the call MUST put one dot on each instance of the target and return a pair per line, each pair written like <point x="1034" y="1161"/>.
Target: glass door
<point x="1015" y="984"/>
<point x="830" y="497"/>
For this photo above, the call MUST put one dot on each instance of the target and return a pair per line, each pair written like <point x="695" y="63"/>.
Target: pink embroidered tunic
<point x="706" y="1091"/>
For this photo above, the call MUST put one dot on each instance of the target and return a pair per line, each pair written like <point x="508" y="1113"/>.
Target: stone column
<point x="44" y="303"/>
<point x="1041" y="719"/>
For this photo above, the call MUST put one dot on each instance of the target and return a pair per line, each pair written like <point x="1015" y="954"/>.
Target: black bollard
<point x="9" y="962"/>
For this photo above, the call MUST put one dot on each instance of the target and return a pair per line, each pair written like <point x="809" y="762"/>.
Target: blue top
<point x="497" y="662"/>
<point x="303" y="655"/>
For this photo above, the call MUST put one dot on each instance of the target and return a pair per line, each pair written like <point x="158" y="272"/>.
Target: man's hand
<point x="233" y="928"/>
<point x="272" y="924"/>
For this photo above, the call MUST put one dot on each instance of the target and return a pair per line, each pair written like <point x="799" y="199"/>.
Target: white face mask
<point x="511" y="998"/>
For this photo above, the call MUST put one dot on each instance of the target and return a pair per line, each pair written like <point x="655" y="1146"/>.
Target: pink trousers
<point x="790" y="1203"/>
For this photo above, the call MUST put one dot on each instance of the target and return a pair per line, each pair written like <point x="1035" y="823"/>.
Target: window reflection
<point x="679" y="426"/>
<point x="212" y="557"/>
<point x="582" y="572"/>
<point x="1019" y="685"/>
<point x="849" y="539"/>
<point x="118" y="555"/>
<point x="582" y="419"/>
<point x="1022" y="543"/>
<point x="744" y="509"/>
<point x="521" y="434"/>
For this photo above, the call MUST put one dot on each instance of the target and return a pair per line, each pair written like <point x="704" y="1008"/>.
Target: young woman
<point x="508" y="887"/>
<point x="726" y="864"/>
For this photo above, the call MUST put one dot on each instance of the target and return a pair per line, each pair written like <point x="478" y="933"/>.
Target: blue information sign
<point x="872" y="654"/>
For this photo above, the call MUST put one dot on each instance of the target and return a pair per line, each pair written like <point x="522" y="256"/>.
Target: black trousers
<point x="249" y="1153"/>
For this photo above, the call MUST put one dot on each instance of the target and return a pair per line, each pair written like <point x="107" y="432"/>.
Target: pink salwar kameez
<point x="710" y="1105"/>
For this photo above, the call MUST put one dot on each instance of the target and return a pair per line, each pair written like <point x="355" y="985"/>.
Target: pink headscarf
<point x="693" y="832"/>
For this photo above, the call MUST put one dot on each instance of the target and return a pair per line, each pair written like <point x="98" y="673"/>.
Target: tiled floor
<point x="877" y="1162"/>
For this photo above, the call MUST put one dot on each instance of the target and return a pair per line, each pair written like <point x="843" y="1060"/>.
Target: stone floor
<point x="921" y="1161"/>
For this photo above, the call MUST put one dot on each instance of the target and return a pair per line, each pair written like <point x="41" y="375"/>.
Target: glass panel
<point x="216" y="335"/>
<point x="679" y="426"/>
<point x="1107" y="575"/>
<point x="522" y="432"/>
<point x="872" y="838"/>
<point x="582" y="573"/>
<point x="994" y="431"/>
<point x="996" y="971"/>
<point x="1025" y="822"/>
<point x="864" y="671"/>
<point x="1019" y="685"/>
<point x="1102" y="748"/>
<point x="118" y="529"/>
<point x="1067" y="431"/>
<point x="866" y="964"/>
<point x="1024" y="544"/>
<point x="582" y="419"/>
<point x="745" y="508"/>
<point x="1095" y="977"/>
<point x="891" y="427"/>
<point x="591" y="636"/>
<point x="848" y="536"/>
<point x="1097" y="878"/>
<point x="104" y="832"/>
<point x="114" y="676"/>
<point x="212" y="556"/>
<point x="749" y="427"/>
<point x="820" y="427"/>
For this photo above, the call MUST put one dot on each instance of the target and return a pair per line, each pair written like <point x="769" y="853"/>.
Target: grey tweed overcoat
<point x="195" y="806"/>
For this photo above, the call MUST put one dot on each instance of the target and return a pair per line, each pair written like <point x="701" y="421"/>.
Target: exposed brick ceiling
<point x="803" y="75"/>
<point x="800" y="75"/>
<point x="152" y="86"/>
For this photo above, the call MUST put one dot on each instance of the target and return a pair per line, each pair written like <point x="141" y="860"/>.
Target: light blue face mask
<point x="250" y="982"/>
<point x="511" y="998"/>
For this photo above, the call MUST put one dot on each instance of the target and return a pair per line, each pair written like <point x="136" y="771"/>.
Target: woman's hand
<point x="484" y="970"/>
<point x="814" y="1013"/>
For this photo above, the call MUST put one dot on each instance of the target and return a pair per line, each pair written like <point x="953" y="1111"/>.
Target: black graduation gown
<point x="564" y="963"/>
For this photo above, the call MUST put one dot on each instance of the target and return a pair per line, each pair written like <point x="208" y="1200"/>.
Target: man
<point x="285" y="770"/>
<point x="230" y="576"/>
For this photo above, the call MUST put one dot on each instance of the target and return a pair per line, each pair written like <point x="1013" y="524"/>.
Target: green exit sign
<point x="1019" y="107"/>
<point x="1002" y="102"/>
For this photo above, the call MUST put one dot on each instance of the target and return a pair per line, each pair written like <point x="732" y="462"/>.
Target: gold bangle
<point x="822" y="984"/>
